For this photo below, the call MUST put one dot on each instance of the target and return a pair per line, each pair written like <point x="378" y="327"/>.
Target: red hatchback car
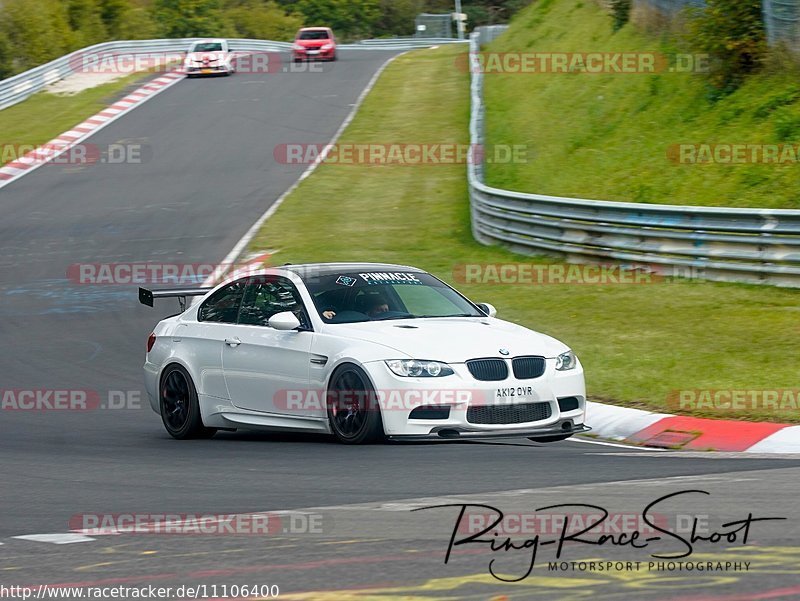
<point x="314" y="43"/>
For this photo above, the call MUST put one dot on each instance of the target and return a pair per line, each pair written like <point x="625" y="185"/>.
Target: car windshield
<point x="207" y="47"/>
<point x="312" y="35"/>
<point x="351" y="297"/>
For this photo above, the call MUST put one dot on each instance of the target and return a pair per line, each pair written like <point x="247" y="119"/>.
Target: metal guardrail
<point x="404" y="42"/>
<point x="746" y="245"/>
<point x="17" y="88"/>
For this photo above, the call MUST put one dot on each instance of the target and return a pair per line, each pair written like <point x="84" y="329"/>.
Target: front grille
<point x="526" y="368"/>
<point x="488" y="370"/>
<point x="509" y="414"/>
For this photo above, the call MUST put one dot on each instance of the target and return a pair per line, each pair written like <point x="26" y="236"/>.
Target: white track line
<point x="81" y="132"/>
<point x="407" y="504"/>
<point x="250" y="234"/>
<point x="65" y="538"/>
<point x="614" y="444"/>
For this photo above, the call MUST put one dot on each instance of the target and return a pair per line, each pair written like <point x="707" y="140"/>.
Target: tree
<point x="6" y="56"/>
<point x="85" y="20"/>
<point x="262" y="20"/>
<point x="136" y="23"/>
<point x="348" y="18"/>
<point x="37" y="30"/>
<point x="397" y="17"/>
<point x="190" y="18"/>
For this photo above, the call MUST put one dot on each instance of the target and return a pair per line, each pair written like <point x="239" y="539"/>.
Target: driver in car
<point x="376" y="304"/>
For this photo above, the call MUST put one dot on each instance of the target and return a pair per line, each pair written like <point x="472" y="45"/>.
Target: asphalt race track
<point x="208" y="176"/>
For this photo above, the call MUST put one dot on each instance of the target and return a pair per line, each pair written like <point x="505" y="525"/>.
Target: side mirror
<point x="284" y="321"/>
<point x="488" y="309"/>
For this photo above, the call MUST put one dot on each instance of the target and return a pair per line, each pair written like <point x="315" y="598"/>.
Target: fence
<point x="781" y="17"/>
<point x="745" y="245"/>
<point x="429" y="25"/>
<point x="668" y="7"/>
<point x="782" y="22"/>
<point x="17" y="88"/>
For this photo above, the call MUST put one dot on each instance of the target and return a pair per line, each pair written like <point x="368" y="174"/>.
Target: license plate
<point x="313" y="51"/>
<point x="206" y="71"/>
<point x="515" y="394"/>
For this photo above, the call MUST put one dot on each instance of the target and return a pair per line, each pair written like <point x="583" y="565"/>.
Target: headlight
<point x="414" y="368"/>
<point x="566" y="361"/>
<point x="299" y="47"/>
<point x="327" y="46"/>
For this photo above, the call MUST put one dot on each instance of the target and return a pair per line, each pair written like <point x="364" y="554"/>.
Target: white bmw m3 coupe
<point x="362" y="351"/>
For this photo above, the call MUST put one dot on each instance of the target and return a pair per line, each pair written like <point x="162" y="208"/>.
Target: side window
<point x="267" y="296"/>
<point x="223" y="305"/>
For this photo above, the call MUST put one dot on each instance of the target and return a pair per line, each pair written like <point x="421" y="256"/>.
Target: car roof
<point x="322" y="269"/>
<point x="315" y="29"/>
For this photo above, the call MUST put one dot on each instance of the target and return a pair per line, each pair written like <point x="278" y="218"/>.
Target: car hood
<point x="452" y="339"/>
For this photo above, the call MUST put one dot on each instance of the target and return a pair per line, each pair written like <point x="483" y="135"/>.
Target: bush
<point x="621" y="11"/>
<point x="732" y="33"/>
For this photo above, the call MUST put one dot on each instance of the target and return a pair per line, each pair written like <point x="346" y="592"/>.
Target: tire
<point x="180" y="410"/>
<point x="557" y="438"/>
<point x="353" y="412"/>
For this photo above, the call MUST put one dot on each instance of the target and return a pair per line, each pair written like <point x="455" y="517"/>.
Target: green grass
<point x="44" y="116"/>
<point x="637" y="342"/>
<point x="606" y="136"/>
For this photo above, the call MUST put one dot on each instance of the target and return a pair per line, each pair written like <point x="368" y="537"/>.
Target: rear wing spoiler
<point x="147" y="297"/>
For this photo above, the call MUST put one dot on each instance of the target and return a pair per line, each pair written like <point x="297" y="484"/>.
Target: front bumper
<point x="445" y="433"/>
<point x="310" y="55"/>
<point x="475" y="409"/>
<point x="215" y="70"/>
